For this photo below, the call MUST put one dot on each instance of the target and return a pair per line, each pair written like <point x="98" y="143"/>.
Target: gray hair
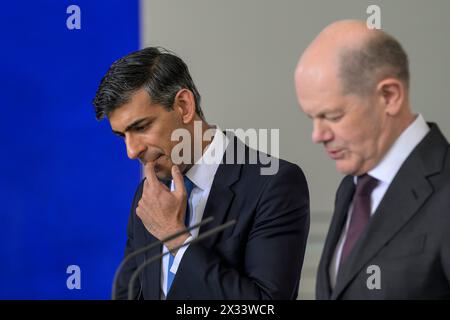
<point x="381" y="56"/>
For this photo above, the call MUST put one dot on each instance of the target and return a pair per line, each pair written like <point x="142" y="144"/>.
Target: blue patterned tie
<point x="189" y="185"/>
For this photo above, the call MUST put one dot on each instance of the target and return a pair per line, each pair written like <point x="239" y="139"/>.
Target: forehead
<point x="317" y="86"/>
<point x="140" y="105"/>
<point x="316" y="102"/>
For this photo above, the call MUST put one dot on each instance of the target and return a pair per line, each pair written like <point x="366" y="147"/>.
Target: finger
<point x="139" y="209"/>
<point x="178" y="181"/>
<point x="150" y="173"/>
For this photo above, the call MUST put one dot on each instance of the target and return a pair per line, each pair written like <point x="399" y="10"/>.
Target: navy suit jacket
<point x="260" y="257"/>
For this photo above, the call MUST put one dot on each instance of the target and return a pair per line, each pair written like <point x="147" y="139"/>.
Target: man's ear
<point x="184" y="103"/>
<point x="391" y="93"/>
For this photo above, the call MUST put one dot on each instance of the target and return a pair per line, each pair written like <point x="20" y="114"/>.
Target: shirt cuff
<point x="179" y="256"/>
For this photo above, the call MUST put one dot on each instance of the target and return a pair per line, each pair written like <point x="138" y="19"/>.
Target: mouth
<point x="153" y="160"/>
<point x="335" y="154"/>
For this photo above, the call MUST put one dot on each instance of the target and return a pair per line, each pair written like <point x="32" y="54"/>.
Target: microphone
<point x="161" y="255"/>
<point x="148" y="247"/>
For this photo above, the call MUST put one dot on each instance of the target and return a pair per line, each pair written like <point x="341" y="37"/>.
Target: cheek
<point x="362" y="145"/>
<point x="356" y="132"/>
<point x="166" y="143"/>
<point x="358" y="142"/>
<point x="161" y="139"/>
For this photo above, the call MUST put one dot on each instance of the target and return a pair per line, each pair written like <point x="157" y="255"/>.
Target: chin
<point x="163" y="175"/>
<point x="345" y="168"/>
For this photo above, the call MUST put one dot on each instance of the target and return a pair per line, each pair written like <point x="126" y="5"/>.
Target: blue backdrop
<point x="66" y="183"/>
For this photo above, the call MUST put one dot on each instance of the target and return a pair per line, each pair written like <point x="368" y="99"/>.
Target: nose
<point x="321" y="132"/>
<point x="134" y="146"/>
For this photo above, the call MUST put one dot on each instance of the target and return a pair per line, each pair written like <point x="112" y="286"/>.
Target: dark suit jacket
<point x="408" y="237"/>
<point x="260" y="257"/>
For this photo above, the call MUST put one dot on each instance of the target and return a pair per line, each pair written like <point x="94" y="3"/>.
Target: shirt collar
<point x="388" y="167"/>
<point x="203" y="171"/>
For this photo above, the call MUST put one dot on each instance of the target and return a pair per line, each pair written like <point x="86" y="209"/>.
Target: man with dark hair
<point x="390" y="233"/>
<point x="150" y="100"/>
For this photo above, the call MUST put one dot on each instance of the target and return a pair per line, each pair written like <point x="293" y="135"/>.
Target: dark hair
<point x="161" y="73"/>
<point x="381" y="56"/>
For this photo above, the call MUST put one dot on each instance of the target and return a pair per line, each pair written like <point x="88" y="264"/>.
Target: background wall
<point x="242" y="55"/>
<point x="65" y="182"/>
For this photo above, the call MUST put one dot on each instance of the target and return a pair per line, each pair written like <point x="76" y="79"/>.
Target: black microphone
<point x="161" y="255"/>
<point x="148" y="247"/>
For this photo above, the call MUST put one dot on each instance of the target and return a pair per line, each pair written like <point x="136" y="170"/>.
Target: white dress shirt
<point x="202" y="175"/>
<point x="384" y="172"/>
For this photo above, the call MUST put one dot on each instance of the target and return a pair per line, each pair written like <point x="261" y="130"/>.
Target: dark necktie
<point x="189" y="185"/>
<point x="360" y="213"/>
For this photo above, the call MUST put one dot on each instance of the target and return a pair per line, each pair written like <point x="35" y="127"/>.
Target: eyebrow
<point x="135" y="124"/>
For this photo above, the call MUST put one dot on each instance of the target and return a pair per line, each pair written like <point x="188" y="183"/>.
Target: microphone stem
<point x="144" y="249"/>
<point x="158" y="257"/>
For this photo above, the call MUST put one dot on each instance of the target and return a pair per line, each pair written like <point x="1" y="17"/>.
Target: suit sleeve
<point x="445" y="256"/>
<point x="130" y="266"/>
<point x="274" y="249"/>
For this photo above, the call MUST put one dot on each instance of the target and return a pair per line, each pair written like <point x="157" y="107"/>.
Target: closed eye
<point x="333" y="117"/>
<point x="141" y="128"/>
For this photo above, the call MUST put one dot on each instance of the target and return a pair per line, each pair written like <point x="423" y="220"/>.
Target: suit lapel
<point x="220" y="199"/>
<point x="407" y="193"/>
<point x="343" y="200"/>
